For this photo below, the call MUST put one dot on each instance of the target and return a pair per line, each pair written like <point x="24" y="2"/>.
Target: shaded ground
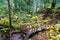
<point x="40" y="36"/>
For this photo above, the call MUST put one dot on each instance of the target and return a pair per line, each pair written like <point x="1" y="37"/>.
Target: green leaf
<point x="5" y="29"/>
<point x="58" y="37"/>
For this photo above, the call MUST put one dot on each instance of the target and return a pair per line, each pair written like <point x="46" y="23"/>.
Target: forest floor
<point x="19" y="21"/>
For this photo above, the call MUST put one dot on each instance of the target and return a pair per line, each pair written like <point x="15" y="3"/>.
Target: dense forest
<point x="29" y="19"/>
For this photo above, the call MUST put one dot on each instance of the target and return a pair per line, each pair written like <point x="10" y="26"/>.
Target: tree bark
<point x="9" y="11"/>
